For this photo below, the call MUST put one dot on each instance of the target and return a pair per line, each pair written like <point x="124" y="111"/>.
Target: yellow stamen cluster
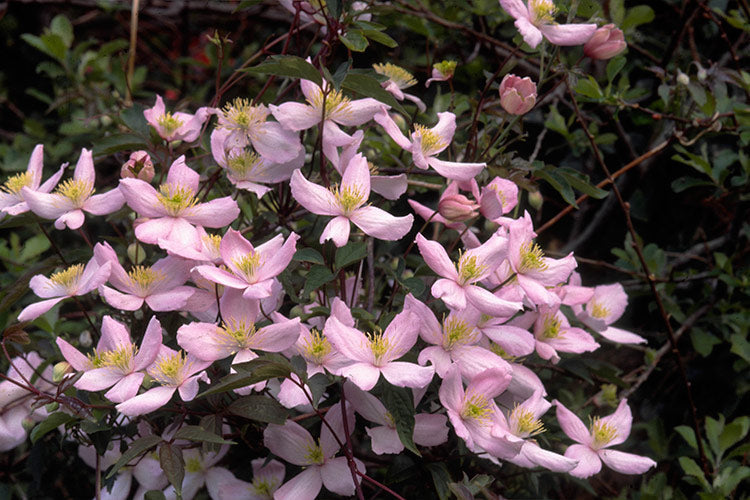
<point x="542" y="11"/>
<point x="242" y="116"/>
<point x="167" y="370"/>
<point x="243" y="164"/>
<point x="212" y="241"/>
<point x="524" y="423"/>
<point x="249" y="264"/>
<point x="120" y="358"/>
<point x="457" y="332"/>
<point x="77" y="191"/>
<point x="176" y="199"/>
<point x="477" y="407"/>
<point x="602" y="432"/>
<point x="597" y="310"/>
<point x="263" y="488"/>
<point x="532" y="258"/>
<point x="335" y="102"/>
<point x="551" y="328"/>
<point x="69" y="277"/>
<point x="469" y="269"/>
<point x="315" y="455"/>
<point x="143" y="277"/>
<point x="236" y="333"/>
<point x="317" y="347"/>
<point x="373" y="168"/>
<point x="495" y="348"/>
<point x="193" y="464"/>
<point x="379" y="345"/>
<point x="431" y="141"/>
<point x="446" y="68"/>
<point x="398" y="75"/>
<point x="169" y="123"/>
<point x="15" y="183"/>
<point x="349" y="198"/>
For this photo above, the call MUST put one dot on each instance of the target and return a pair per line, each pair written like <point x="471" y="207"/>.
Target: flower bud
<point x="605" y="43"/>
<point x="138" y="166"/>
<point x="536" y="200"/>
<point x="441" y="72"/>
<point x="682" y="78"/>
<point x="60" y="370"/>
<point x="517" y="95"/>
<point x="457" y="208"/>
<point x="136" y="253"/>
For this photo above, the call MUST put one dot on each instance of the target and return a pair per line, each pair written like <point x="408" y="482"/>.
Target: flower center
<point x="315" y="455"/>
<point x="176" y="199"/>
<point x="602" y="432"/>
<point x="143" y="277"/>
<point x="551" y="328"/>
<point x="476" y="407"/>
<point x="77" y="191"/>
<point x="244" y="164"/>
<point x="240" y="115"/>
<point x="69" y="277"/>
<point x="446" y="68"/>
<point x="335" y="102"/>
<point x="169" y="123"/>
<point x="524" y="424"/>
<point x="597" y="310"/>
<point x="120" y="358"/>
<point x="316" y="348"/>
<point x="14" y="184"/>
<point x="248" y="264"/>
<point x="378" y="345"/>
<point x="167" y="370"/>
<point x="431" y="141"/>
<point x="457" y="332"/>
<point x="542" y="11"/>
<point x="263" y="488"/>
<point x="349" y="198"/>
<point x="236" y="334"/>
<point x="532" y="258"/>
<point x="469" y="269"/>
<point x="398" y="75"/>
<point x="497" y="349"/>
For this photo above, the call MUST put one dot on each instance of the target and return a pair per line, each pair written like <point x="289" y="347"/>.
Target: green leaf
<point x="154" y="495"/>
<point x="49" y="424"/>
<point x="740" y="346"/>
<point x="640" y="14"/>
<point x="703" y="341"/>
<point x="317" y="277"/>
<point x="733" y="433"/>
<point x="691" y="469"/>
<point x="354" y="40"/>
<point x="133" y="118"/>
<point x="399" y="403"/>
<point x="440" y="478"/>
<point x="317" y="384"/>
<point x="367" y="86"/>
<point x="713" y="430"/>
<point x="614" y="66"/>
<point x="288" y="66"/>
<point x="688" y="435"/>
<point x="197" y="433"/>
<point x="308" y="255"/>
<point x="582" y="183"/>
<point x="118" y="142"/>
<point x="617" y="11"/>
<point x="682" y="183"/>
<point x="173" y="465"/>
<point x="559" y="183"/>
<point x="231" y="382"/>
<point x="259" y="408"/>
<point x="589" y="88"/>
<point x="555" y="122"/>
<point x="415" y="285"/>
<point x="61" y="27"/>
<point x="380" y="37"/>
<point x="350" y="253"/>
<point x="136" y="448"/>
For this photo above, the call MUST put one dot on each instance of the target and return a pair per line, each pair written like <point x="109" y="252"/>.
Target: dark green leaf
<point x="682" y="183"/>
<point x="288" y="66"/>
<point x="334" y="8"/>
<point x="559" y="183"/>
<point x="118" y="142"/>
<point x="133" y="118"/>
<point x="368" y="86"/>
<point x="173" y="465"/>
<point x="688" y="435"/>
<point x="229" y="383"/>
<point x="259" y="408"/>
<point x="196" y="433"/>
<point x="61" y="27"/>
<point x="309" y="255"/>
<point x="640" y="14"/>
<point x="415" y="285"/>
<point x="399" y="403"/>
<point x="317" y="277"/>
<point x="582" y="183"/>
<point x="317" y="384"/>
<point x="380" y="37"/>
<point x="354" y="40"/>
<point x="440" y="478"/>
<point x="136" y="448"/>
<point x="350" y="253"/>
<point x="49" y="424"/>
<point x="589" y="88"/>
<point x="614" y="66"/>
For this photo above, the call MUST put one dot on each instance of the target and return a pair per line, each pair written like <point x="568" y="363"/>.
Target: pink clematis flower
<point x="159" y="286"/>
<point x="457" y="288"/>
<point x="399" y="79"/>
<point x="173" y="212"/>
<point x="606" y="305"/>
<point x="553" y="333"/>
<point x="176" y="126"/>
<point x="200" y="470"/>
<point x="266" y="480"/>
<point x="12" y="201"/>
<point x="116" y="360"/>
<point x="173" y="371"/>
<point x="429" y="429"/>
<point x="74" y="281"/>
<point x="346" y="202"/>
<point x="251" y="269"/>
<point x="73" y="197"/>
<point x="441" y="72"/>
<point x="537" y="20"/>
<point x="498" y="197"/>
<point x="426" y="143"/>
<point x="593" y="443"/>
<point x="376" y="353"/>
<point x="295" y="444"/>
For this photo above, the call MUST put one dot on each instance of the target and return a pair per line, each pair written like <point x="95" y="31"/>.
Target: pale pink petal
<point x="536" y="292"/>
<point x="73" y="220"/>
<point x="181" y="175"/>
<point x="94" y="275"/>
<point x="170" y="300"/>
<point x="547" y="459"/>
<point x="304" y="486"/>
<point x="276" y="143"/>
<point x="385" y="121"/>
<point x="125" y="388"/>
<point x="450" y="293"/>
<point x="515" y="8"/>
<point x="439" y="357"/>
<point x="358" y="112"/>
<point x="119" y="300"/>
<point x="429" y="329"/>
<point x="488" y="303"/>
<point x="490" y="383"/>
<point x="451" y="391"/>
<point x="276" y="260"/>
<point x="336" y="230"/>
<point x="380" y="224"/>
<point x="513" y="340"/>
<point x="151" y="231"/>
<point x="436" y="257"/>
<point x="430" y="429"/>
<point x="567" y="34"/>
<point x="363" y="375"/>
<point x="215" y="213"/>
<point x="416" y="100"/>
<point x="50" y="183"/>
<point x="314" y="198"/>
<point x="402" y="374"/>
<point x="290" y="441"/>
<point x="571" y="425"/>
<point x="357" y="175"/>
<point x="626" y="463"/>
<point x="276" y="337"/>
<point x="296" y="116"/>
<point x="141" y="197"/>
<point x="348" y="340"/>
<point x="189" y="388"/>
<point x="260" y="290"/>
<point x="621" y="420"/>
<point x="85" y="167"/>
<point x="149" y="348"/>
<point x="445" y="129"/>
<point x="384" y="440"/>
<point x="473" y="360"/>
<point x="204" y="341"/>
<point x="46" y="206"/>
<point x="153" y="114"/>
<point x="73" y="355"/>
<point x="455" y="170"/>
<point x="149" y="401"/>
<point x="36" y="309"/>
<point x="335" y="429"/>
<point x="621" y="336"/>
<point x="390" y="187"/>
<point x="364" y="403"/>
<point x="45" y="288"/>
<point x="530" y="33"/>
<point x="337" y="477"/>
<point x="221" y="277"/>
<point x="589" y="462"/>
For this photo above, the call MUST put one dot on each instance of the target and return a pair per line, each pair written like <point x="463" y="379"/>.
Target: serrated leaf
<point x="350" y="253"/>
<point x="288" y="66"/>
<point x="400" y="405"/>
<point x="316" y="277"/>
<point x="260" y="409"/>
<point x="197" y="433"/>
<point x="118" y="142"/>
<point x="354" y="40"/>
<point x="367" y="86"/>
<point x="308" y="255"/>
<point x="135" y="449"/>
<point x="173" y="465"/>
<point x="49" y="424"/>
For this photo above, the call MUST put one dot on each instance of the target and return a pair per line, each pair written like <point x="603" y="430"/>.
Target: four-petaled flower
<point x="537" y="20"/>
<point x="11" y="198"/>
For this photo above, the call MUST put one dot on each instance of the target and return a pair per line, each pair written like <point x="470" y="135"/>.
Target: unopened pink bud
<point x="517" y="95"/>
<point x="457" y="208"/>
<point x="138" y="166"/>
<point x="605" y="43"/>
